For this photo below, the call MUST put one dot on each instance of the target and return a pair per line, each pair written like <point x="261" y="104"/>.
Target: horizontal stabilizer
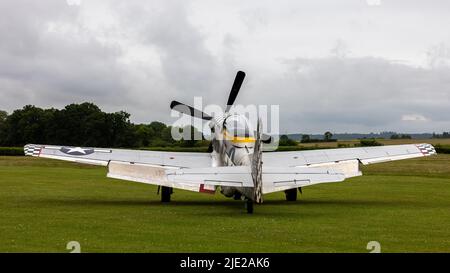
<point x="199" y="179"/>
<point x="279" y="179"/>
<point x="236" y="176"/>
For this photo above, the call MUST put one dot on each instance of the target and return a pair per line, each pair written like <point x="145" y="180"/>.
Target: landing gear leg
<point x="165" y="194"/>
<point x="291" y="194"/>
<point x="249" y="206"/>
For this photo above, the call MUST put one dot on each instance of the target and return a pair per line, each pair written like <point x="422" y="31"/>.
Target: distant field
<point x="383" y="141"/>
<point x="44" y="204"/>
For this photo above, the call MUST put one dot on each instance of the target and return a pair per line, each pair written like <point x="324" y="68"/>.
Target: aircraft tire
<point x="249" y="206"/>
<point x="237" y="196"/>
<point x="165" y="194"/>
<point x="291" y="194"/>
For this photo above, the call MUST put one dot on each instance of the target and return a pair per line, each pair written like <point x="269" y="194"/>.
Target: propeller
<point x="235" y="89"/>
<point x="189" y="110"/>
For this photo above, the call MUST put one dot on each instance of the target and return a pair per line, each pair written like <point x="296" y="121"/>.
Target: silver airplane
<point x="235" y="162"/>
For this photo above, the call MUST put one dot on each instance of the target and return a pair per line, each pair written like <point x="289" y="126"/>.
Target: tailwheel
<point x="291" y="194"/>
<point x="249" y="206"/>
<point x="165" y="194"/>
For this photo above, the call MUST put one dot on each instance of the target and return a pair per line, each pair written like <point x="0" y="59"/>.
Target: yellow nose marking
<point x="235" y="139"/>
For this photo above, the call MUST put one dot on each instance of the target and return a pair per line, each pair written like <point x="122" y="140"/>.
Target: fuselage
<point x="233" y="145"/>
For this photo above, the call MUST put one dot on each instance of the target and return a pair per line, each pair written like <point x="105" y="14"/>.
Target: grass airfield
<point x="44" y="204"/>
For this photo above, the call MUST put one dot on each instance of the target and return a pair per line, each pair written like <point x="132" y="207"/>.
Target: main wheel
<point x="165" y="193"/>
<point x="249" y="206"/>
<point x="237" y="196"/>
<point x="291" y="194"/>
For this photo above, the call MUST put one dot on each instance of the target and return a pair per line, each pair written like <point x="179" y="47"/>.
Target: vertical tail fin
<point x="257" y="165"/>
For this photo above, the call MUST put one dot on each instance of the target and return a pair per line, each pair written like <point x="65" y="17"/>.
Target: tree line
<point x="327" y="137"/>
<point x="86" y="125"/>
<point x="443" y="135"/>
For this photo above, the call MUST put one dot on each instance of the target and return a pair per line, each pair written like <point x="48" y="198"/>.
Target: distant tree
<point x="369" y="142"/>
<point x="26" y="125"/>
<point x="82" y="125"/>
<point x="284" y="138"/>
<point x="143" y="134"/>
<point x="305" y="139"/>
<point x="286" y="141"/>
<point x="122" y="132"/>
<point x="443" y="135"/>
<point x="86" y="125"/>
<point x="157" y="128"/>
<point x="3" y="117"/>
<point x="402" y="136"/>
<point x="166" y="135"/>
<point x="76" y="125"/>
<point x="327" y="136"/>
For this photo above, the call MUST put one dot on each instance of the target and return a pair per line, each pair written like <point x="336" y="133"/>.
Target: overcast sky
<point x="344" y="66"/>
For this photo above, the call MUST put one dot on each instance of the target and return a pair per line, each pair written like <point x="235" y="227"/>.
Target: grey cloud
<point x="186" y="62"/>
<point x="48" y="67"/>
<point x="364" y="93"/>
<point x="255" y="18"/>
<point x="188" y="68"/>
<point x="175" y="58"/>
<point x="439" y="55"/>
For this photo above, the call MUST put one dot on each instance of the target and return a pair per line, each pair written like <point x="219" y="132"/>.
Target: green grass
<point x="44" y="204"/>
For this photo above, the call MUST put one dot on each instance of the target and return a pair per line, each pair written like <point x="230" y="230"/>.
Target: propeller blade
<point x="188" y="110"/>
<point x="235" y="89"/>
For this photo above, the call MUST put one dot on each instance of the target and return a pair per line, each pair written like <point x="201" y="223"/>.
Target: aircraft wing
<point x="188" y="171"/>
<point x="193" y="171"/>
<point x="365" y="155"/>
<point x="280" y="179"/>
<point x="102" y="156"/>
<point x="133" y="165"/>
<point x="344" y="162"/>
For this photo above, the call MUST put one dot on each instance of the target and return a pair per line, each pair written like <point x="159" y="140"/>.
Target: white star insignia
<point x="77" y="149"/>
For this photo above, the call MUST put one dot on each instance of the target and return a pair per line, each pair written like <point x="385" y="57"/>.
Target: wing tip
<point x="32" y="150"/>
<point x="426" y="149"/>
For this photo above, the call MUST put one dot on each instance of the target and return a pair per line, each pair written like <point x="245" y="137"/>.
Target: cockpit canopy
<point x="238" y="126"/>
